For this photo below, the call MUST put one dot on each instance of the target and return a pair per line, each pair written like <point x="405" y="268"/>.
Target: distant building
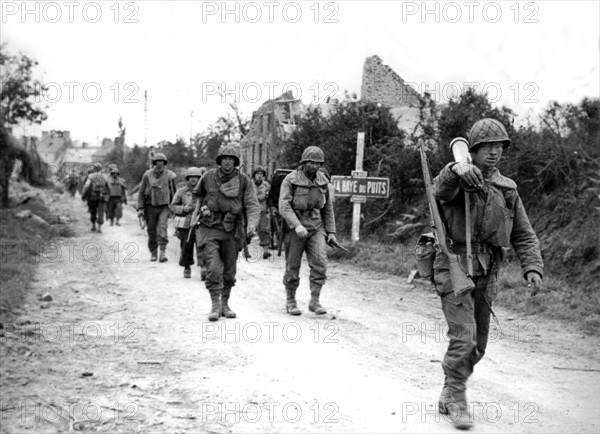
<point x="52" y="148"/>
<point x="79" y="158"/>
<point x="273" y="122"/>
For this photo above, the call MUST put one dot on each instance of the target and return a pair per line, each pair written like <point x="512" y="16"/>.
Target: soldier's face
<point x="258" y="176"/>
<point x="227" y="164"/>
<point x="193" y="180"/>
<point x="487" y="155"/>
<point x="311" y="168"/>
<point x="160" y="166"/>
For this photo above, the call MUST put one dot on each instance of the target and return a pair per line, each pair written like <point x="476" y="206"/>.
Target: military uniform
<point x="498" y="220"/>
<point x="95" y="193"/>
<point x="306" y="202"/>
<point x="156" y="192"/>
<point x="224" y="198"/>
<point x="117" y="197"/>
<point x="182" y="206"/>
<point x="264" y="224"/>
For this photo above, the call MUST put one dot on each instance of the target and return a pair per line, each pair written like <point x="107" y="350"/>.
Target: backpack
<point x="98" y="188"/>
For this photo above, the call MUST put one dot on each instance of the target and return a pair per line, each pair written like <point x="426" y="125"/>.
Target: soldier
<point x="117" y="195"/>
<point x="264" y="225"/>
<point x="71" y="183"/>
<point x="156" y="192"/>
<point x="182" y="206"/>
<point x="95" y="193"/>
<point x="225" y="195"/>
<point x="305" y="204"/>
<point x="498" y="221"/>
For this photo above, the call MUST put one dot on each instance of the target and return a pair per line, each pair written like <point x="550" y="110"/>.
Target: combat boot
<point x="266" y="254"/>
<point x="118" y="224"/>
<point x="291" y="306"/>
<point x="112" y="222"/>
<point x="153" y="256"/>
<point x="225" y="310"/>
<point x="455" y="404"/>
<point x="163" y="257"/>
<point x="99" y="228"/>
<point x="187" y="272"/>
<point x="215" y="311"/>
<point x="444" y="397"/>
<point x="93" y="227"/>
<point x="314" y="305"/>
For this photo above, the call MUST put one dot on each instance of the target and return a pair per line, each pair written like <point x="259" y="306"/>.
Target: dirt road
<point x="124" y="345"/>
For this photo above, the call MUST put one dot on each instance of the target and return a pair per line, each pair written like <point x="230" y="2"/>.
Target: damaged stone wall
<point x="380" y="84"/>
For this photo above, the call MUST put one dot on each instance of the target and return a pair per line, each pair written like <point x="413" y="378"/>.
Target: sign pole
<point x="360" y="148"/>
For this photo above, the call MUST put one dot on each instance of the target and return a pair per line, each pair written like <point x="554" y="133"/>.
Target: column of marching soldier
<point x="220" y="209"/>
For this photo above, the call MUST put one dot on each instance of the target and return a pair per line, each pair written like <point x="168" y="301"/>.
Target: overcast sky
<point x="98" y="58"/>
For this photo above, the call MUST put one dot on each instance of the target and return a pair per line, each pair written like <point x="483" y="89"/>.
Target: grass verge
<point x="557" y="300"/>
<point x="20" y="246"/>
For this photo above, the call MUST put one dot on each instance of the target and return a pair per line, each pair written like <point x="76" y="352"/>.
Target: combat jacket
<point x="498" y="220"/>
<point x="227" y="196"/>
<point x="95" y="188"/>
<point x="305" y="202"/>
<point x="183" y="197"/>
<point x="262" y="191"/>
<point x="117" y="188"/>
<point x="155" y="189"/>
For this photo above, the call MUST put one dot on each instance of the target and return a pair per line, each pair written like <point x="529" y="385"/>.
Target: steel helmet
<point x="259" y="169"/>
<point x="313" y="153"/>
<point x="195" y="171"/>
<point x="485" y="131"/>
<point x="158" y="157"/>
<point x="97" y="167"/>
<point x="229" y="151"/>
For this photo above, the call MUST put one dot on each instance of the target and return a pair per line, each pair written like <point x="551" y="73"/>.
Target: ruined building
<point x="272" y="122"/>
<point x="380" y="84"/>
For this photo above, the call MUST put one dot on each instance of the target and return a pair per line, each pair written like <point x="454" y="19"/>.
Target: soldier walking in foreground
<point x="305" y="204"/>
<point x="156" y="192"/>
<point x="183" y="206"/>
<point x="225" y="195"/>
<point x="95" y="193"/>
<point x="117" y="196"/>
<point x="498" y="220"/>
<point x="264" y="225"/>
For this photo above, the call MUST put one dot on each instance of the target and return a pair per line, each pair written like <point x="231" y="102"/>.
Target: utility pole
<point x="191" y="123"/>
<point x="145" y="118"/>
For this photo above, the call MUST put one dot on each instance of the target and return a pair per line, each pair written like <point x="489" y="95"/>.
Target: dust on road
<point x="125" y="345"/>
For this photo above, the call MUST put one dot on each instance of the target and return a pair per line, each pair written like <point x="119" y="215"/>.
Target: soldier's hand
<point x="535" y="282"/>
<point x="187" y="208"/>
<point x="301" y="231"/>
<point x="250" y="231"/>
<point x="331" y="239"/>
<point x="205" y="211"/>
<point x="469" y="173"/>
<point x="140" y="213"/>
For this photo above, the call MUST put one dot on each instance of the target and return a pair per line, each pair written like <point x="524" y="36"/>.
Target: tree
<point x="17" y="104"/>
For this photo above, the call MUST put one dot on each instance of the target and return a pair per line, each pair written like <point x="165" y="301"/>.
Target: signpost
<point x="358" y="186"/>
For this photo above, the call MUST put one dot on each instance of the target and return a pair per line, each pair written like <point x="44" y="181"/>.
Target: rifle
<point x="461" y="283"/>
<point x="279" y="229"/>
<point x="242" y="223"/>
<point x="194" y="221"/>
